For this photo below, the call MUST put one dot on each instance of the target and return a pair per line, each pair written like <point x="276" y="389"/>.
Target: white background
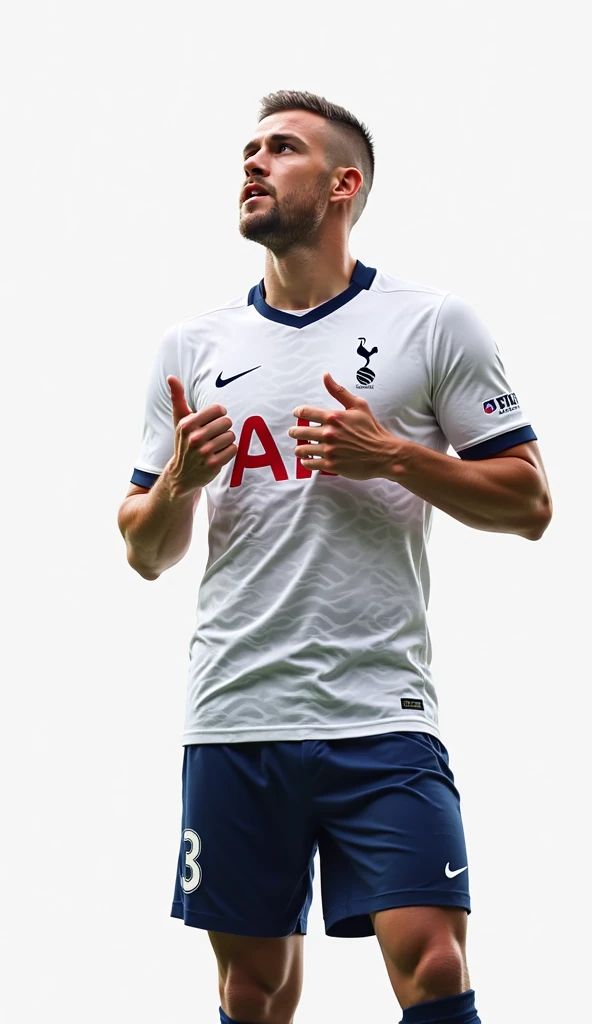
<point x="123" y="129"/>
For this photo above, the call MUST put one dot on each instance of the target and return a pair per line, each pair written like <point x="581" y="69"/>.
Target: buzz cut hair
<point x="348" y="142"/>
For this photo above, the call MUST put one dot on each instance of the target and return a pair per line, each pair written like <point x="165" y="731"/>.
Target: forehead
<point x="302" y="123"/>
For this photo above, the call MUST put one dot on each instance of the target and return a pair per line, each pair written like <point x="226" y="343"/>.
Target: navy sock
<point x="451" y="1010"/>
<point x="229" y="1020"/>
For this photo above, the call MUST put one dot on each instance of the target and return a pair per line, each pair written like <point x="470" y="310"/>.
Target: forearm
<point x="157" y="527"/>
<point x="502" y="495"/>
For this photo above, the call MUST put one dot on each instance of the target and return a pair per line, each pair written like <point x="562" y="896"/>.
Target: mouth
<point x="254" y="199"/>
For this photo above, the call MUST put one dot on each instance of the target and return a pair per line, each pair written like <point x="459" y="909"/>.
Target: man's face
<point x="293" y="172"/>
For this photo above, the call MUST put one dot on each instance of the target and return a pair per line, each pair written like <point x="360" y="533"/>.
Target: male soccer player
<point x="316" y="411"/>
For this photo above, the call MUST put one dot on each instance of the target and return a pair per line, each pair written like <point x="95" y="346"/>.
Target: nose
<point x="253" y="166"/>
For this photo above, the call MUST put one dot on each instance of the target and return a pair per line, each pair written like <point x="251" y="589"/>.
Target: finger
<point x="341" y="394"/>
<point x="218" y="442"/>
<point x="307" y="433"/>
<point x="303" y="451"/>
<point x="180" y="407"/>
<point x="309" y="412"/>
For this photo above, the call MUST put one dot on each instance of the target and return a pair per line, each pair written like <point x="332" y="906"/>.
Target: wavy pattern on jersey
<point x="311" y="613"/>
<point x="306" y="620"/>
<point x="316" y="629"/>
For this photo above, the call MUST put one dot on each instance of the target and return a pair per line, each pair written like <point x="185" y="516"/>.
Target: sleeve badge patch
<point x="503" y="404"/>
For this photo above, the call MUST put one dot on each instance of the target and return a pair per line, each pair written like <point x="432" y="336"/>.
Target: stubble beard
<point x="295" y="223"/>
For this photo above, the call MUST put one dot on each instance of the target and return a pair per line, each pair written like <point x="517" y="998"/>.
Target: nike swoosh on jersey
<point x="221" y="383"/>
<point x="451" y="874"/>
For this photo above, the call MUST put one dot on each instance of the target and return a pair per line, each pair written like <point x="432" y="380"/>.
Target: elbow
<point x="542" y="520"/>
<point x="146" y="572"/>
<point x="534" y="534"/>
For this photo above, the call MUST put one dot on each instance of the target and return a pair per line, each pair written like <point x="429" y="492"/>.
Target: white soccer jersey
<point x="311" y="616"/>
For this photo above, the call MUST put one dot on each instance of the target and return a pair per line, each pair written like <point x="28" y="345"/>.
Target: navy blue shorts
<point x="382" y="810"/>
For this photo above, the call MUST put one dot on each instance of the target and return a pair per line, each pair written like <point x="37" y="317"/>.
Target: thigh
<point x="424" y="950"/>
<point x="392" y="832"/>
<point x="406" y="933"/>
<point x="246" y="854"/>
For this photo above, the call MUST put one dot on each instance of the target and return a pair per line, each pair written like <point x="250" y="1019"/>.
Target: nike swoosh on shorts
<point x="452" y="874"/>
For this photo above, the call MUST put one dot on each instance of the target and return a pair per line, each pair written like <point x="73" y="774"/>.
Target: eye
<point x="280" y="146"/>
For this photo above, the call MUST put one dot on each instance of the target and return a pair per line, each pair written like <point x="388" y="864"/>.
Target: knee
<point x="441" y="971"/>
<point x="247" y="1000"/>
<point x="259" y="1000"/>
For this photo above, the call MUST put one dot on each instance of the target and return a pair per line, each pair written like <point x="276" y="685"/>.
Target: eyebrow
<point x="274" y="138"/>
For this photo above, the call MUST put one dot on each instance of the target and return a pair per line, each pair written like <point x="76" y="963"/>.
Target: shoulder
<point x="425" y="294"/>
<point x="214" y="312"/>
<point x="458" y="327"/>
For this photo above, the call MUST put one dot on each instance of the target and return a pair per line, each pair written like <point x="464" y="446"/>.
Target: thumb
<point x="340" y="393"/>
<point x="180" y="407"/>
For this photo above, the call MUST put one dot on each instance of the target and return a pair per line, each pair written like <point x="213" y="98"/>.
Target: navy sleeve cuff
<point x="493" y="445"/>
<point x="143" y="479"/>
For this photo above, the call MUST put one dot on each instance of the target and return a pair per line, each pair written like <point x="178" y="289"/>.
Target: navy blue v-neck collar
<point x="362" y="277"/>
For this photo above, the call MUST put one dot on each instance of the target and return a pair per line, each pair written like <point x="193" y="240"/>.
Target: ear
<point x="348" y="185"/>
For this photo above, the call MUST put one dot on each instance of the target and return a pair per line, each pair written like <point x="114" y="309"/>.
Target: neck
<point x="305" y="278"/>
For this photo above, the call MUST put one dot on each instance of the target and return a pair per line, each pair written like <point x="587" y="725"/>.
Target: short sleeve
<point x="158" y="437"/>
<point x="473" y="401"/>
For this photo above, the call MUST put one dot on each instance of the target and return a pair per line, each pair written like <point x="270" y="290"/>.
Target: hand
<point x="203" y="442"/>
<point x="352" y="442"/>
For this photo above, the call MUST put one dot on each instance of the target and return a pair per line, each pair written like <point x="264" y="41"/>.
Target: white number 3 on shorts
<point x="192" y="877"/>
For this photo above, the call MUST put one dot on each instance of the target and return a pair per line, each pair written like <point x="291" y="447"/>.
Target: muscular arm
<point x="507" y="493"/>
<point x="157" y="526"/>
